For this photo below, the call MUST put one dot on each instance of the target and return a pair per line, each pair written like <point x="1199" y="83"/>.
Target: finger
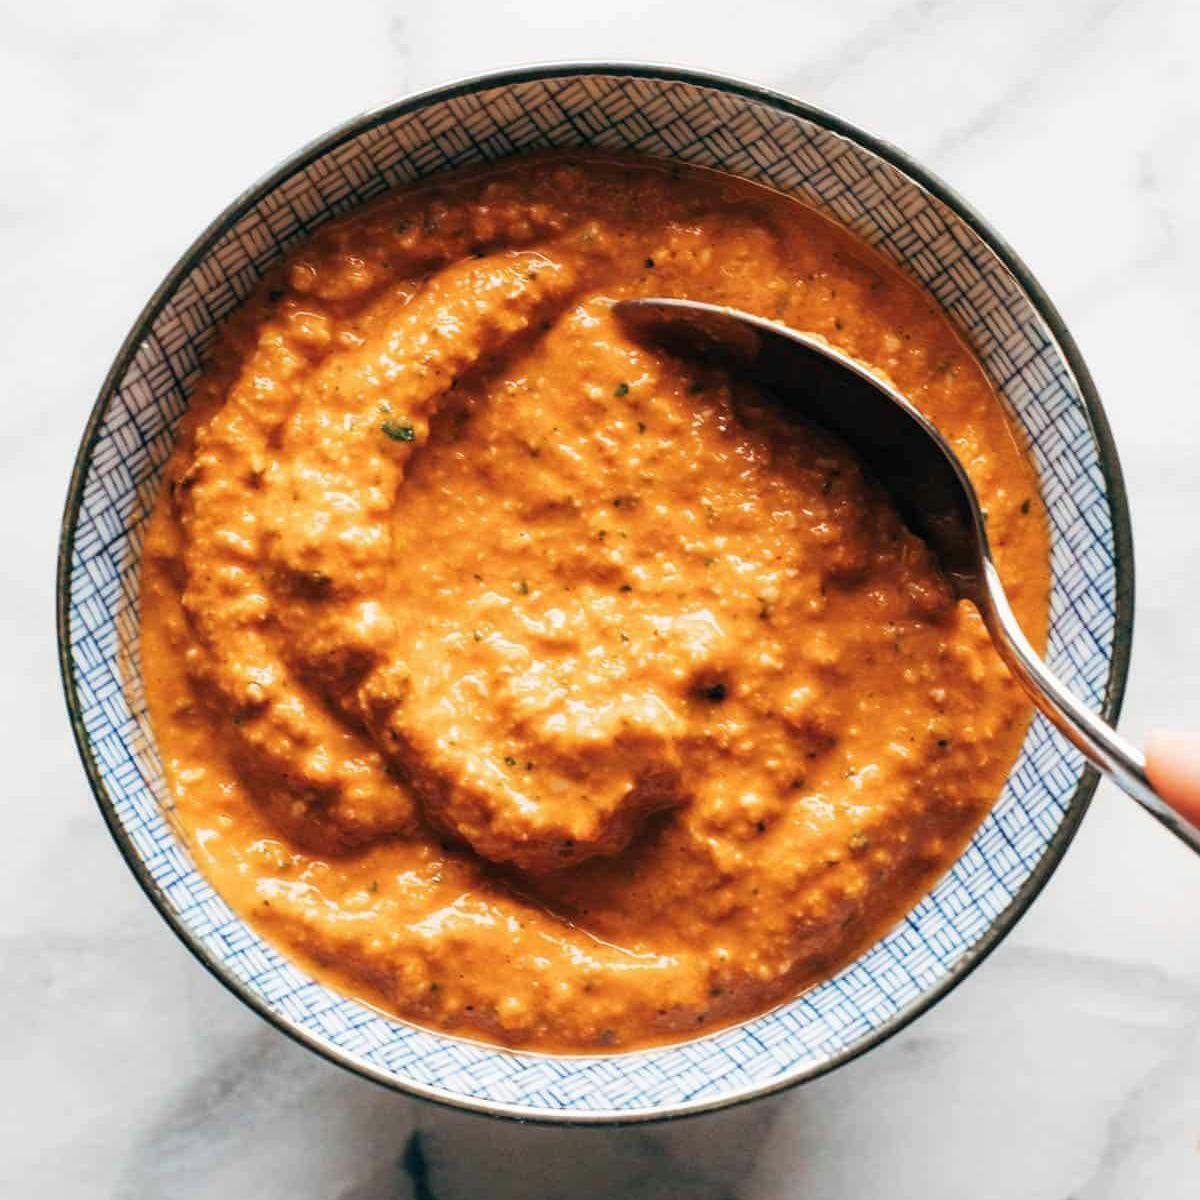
<point x="1173" y="764"/>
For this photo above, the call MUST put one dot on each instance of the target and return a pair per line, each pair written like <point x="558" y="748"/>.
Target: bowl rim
<point x="907" y="166"/>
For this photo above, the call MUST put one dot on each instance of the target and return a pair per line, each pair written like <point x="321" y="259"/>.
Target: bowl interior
<point x="710" y="123"/>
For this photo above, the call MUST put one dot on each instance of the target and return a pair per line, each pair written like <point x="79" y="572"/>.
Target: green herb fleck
<point x="622" y="389"/>
<point x="649" y="264"/>
<point x="509" y="761"/>
<point x="398" y="431"/>
<point x="1025" y="505"/>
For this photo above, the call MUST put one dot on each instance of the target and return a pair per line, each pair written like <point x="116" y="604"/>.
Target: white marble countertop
<point x="1067" y="1068"/>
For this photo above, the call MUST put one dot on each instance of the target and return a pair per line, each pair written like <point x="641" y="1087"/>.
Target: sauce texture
<point x="537" y="686"/>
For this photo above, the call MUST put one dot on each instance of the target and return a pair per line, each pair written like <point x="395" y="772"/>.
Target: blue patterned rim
<point x="1118" y="658"/>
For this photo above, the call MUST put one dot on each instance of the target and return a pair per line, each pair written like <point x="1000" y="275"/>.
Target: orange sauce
<point x="534" y="685"/>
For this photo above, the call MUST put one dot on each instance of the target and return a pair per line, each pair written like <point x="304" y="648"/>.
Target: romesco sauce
<point x="534" y="685"/>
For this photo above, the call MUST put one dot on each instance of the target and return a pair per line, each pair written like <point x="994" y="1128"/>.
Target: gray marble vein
<point x="1066" y="1068"/>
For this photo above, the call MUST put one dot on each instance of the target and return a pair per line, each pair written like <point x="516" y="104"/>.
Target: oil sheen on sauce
<point x="536" y="686"/>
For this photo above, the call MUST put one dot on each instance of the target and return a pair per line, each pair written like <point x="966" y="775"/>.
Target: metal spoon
<point x="928" y="484"/>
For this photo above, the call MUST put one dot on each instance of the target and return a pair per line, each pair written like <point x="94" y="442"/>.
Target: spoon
<point x="927" y="482"/>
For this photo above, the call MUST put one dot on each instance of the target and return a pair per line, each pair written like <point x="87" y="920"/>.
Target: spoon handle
<point x="1121" y="761"/>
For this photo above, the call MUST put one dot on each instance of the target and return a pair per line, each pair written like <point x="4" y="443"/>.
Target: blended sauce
<point x="537" y="686"/>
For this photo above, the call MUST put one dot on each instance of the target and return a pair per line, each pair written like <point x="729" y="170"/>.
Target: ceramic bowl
<point x="885" y="198"/>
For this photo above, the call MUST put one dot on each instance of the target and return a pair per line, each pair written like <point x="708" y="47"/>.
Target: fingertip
<point x="1173" y="765"/>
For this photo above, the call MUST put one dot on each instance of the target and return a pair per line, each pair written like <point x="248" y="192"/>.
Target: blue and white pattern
<point x="701" y="122"/>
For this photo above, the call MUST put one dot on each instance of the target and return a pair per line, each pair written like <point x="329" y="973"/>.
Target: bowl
<point x="861" y="182"/>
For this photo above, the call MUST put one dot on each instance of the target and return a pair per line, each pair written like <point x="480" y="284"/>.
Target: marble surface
<point x="1067" y="1068"/>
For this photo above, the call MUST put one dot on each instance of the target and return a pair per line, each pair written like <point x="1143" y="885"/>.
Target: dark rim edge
<point x="1118" y="510"/>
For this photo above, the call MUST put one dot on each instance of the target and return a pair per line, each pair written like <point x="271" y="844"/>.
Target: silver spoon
<point x="928" y="484"/>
